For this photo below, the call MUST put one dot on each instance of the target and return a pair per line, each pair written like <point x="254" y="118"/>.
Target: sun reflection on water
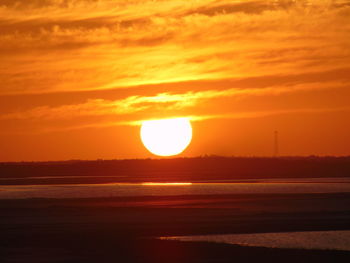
<point x="165" y="184"/>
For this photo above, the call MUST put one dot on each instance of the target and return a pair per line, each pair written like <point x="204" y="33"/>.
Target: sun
<point x="166" y="137"/>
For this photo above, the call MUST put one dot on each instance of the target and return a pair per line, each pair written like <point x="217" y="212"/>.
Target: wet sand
<point x="122" y="229"/>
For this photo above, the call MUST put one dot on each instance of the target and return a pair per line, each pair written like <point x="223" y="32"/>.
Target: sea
<point x="324" y="240"/>
<point x="335" y="240"/>
<point x="214" y="187"/>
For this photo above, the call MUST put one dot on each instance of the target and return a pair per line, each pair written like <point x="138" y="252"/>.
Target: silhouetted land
<point x="176" y="169"/>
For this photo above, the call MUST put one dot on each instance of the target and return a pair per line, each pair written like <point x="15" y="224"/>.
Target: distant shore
<point x="198" y="169"/>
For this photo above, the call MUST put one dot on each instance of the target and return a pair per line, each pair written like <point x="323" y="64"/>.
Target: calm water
<point x="312" y="185"/>
<point x="338" y="240"/>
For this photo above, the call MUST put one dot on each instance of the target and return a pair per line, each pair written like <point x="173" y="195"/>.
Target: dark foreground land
<point x="123" y="229"/>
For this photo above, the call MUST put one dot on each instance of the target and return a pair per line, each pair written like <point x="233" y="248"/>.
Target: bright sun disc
<point x="166" y="137"/>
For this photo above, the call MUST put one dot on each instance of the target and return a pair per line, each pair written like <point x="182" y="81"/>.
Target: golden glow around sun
<point x="166" y="137"/>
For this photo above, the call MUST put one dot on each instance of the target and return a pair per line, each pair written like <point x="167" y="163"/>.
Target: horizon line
<point x="181" y="157"/>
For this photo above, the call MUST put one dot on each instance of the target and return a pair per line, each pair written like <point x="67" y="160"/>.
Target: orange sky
<point x="77" y="76"/>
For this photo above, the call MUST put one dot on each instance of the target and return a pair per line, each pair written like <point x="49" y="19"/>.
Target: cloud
<point x="185" y="54"/>
<point x="161" y="102"/>
<point x="53" y="46"/>
<point x="193" y="118"/>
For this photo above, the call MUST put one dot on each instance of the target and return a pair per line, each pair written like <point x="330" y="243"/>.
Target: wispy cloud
<point x="165" y="102"/>
<point x="192" y="118"/>
<point x="53" y="45"/>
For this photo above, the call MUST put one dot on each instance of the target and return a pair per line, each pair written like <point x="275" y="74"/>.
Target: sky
<point x="78" y="77"/>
